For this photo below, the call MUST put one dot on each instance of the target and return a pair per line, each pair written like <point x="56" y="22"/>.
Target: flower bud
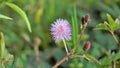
<point x="87" y="19"/>
<point x="83" y="20"/>
<point x="87" y="46"/>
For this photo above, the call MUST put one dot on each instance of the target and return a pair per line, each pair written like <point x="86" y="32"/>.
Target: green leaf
<point x="91" y="58"/>
<point x="4" y="55"/>
<point x="75" y="21"/>
<point x="112" y="23"/>
<point x="73" y="32"/>
<point x="21" y="12"/>
<point x="116" y="56"/>
<point x="5" y="17"/>
<point x="102" y="26"/>
<point x="19" y="63"/>
<point x="106" y="61"/>
<point x="39" y="14"/>
<point x="118" y="22"/>
<point x="74" y="26"/>
<point x="2" y="46"/>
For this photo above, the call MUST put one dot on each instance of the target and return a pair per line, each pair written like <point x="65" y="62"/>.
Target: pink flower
<point x="60" y="30"/>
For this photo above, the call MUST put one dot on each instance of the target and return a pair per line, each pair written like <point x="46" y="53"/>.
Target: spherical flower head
<point x="60" y="30"/>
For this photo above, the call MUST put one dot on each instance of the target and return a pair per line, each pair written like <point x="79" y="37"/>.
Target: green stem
<point x="115" y="37"/>
<point x="80" y="38"/>
<point x="113" y="64"/>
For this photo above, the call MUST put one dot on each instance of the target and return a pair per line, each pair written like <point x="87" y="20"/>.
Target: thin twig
<point x="115" y="38"/>
<point x="72" y="51"/>
<point x="78" y="56"/>
<point x="113" y="64"/>
<point x="83" y="29"/>
<point x="60" y="62"/>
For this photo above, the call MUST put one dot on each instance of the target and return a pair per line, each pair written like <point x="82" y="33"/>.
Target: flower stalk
<point x="65" y="46"/>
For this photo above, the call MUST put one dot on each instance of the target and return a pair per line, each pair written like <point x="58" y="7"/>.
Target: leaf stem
<point x="115" y="38"/>
<point x="113" y="64"/>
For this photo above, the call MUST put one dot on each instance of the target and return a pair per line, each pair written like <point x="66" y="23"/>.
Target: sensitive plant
<point x="114" y="25"/>
<point x="101" y="59"/>
<point x="61" y="29"/>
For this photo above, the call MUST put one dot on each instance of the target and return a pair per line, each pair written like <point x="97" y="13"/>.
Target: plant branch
<point x="83" y="29"/>
<point x="115" y="38"/>
<point x="71" y="54"/>
<point x="72" y="51"/>
<point x="60" y="62"/>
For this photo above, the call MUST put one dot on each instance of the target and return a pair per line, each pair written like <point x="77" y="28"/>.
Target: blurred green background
<point x="38" y="49"/>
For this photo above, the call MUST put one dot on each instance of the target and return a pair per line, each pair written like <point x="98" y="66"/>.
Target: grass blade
<point x="5" y="17"/>
<point x="21" y="12"/>
<point x="2" y="46"/>
<point x="74" y="26"/>
<point x="73" y="31"/>
<point x="75" y="21"/>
